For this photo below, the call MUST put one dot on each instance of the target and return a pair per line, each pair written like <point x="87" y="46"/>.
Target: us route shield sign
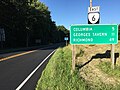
<point x="93" y="15"/>
<point x="93" y="18"/>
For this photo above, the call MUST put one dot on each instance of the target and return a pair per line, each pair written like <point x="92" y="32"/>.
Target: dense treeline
<point x="28" y="23"/>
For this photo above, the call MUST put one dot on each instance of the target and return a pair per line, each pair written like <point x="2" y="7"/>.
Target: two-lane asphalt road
<point x="22" y="72"/>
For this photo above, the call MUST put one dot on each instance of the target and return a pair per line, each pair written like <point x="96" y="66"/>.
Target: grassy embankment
<point x="57" y="75"/>
<point x="106" y="68"/>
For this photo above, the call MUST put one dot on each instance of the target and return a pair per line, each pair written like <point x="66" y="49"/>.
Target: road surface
<point x="14" y="70"/>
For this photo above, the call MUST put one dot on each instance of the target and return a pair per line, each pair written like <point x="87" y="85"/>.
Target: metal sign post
<point x="66" y="42"/>
<point x="66" y="39"/>
<point x="73" y="57"/>
<point x="113" y="55"/>
<point x="90" y="3"/>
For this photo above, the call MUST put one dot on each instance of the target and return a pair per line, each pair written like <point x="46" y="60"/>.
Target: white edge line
<point x="30" y="75"/>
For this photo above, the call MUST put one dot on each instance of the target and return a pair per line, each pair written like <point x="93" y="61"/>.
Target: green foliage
<point x="63" y="29"/>
<point x="62" y="32"/>
<point x="26" y="21"/>
<point x="57" y="75"/>
<point x="106" y="67"/>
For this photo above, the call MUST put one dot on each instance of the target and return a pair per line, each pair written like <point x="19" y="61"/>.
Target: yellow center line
<point x="17" y="55"/>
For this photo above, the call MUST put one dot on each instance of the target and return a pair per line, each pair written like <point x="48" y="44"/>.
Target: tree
<point x="26" y="21"/>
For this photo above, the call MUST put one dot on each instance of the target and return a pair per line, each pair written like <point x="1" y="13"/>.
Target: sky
<point x="68" y="12"/>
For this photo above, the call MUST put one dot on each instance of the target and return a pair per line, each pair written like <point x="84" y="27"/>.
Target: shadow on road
<point x="41" y="47"/>
<point x="107" y="54"/>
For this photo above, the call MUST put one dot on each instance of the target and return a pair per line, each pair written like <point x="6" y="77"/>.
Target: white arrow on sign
<point x="93" y="17"/>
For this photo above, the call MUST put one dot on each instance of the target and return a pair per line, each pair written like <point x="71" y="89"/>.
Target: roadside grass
<point x="57" y="75"/>
<point x="106" y="68"/>
<point x="80" y="53"/>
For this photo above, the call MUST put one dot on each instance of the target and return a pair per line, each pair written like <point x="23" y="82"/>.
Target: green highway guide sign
<point x="94" y="34"/>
